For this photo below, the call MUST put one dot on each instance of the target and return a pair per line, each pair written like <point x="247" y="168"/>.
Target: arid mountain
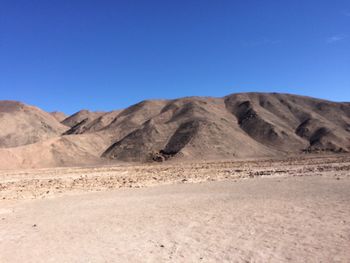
<point x="246" y="125"/>
<point x="93" y="123"/>
<point x="238" y="125"/>
<point x="60" y="116"/>
<point x="287" y="122"/>
<point x="81" y="116"/>
<point x="191" y="128"/>
<point x="74" y="150"/>
<point x="22" y="124"/>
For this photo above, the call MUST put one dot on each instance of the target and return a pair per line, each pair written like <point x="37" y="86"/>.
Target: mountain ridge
<point x="241" y="125"/>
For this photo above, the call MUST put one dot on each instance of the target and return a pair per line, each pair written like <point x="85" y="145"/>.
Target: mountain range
<point x="243" y="125"/>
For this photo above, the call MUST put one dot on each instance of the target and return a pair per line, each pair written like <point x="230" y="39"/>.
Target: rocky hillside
<point x="247" y="125"/>
<point x="238" y="125"/>
<point x="22" y="124"/>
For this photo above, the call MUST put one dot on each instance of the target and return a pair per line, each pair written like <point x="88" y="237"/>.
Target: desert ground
<point x="287" y="210"/>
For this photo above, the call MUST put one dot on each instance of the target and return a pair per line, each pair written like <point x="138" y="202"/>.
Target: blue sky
<point x="101" y="55"/>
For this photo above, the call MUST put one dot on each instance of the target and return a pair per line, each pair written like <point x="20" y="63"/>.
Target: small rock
<point x="34" y="225"/>
<point x="161" y="245"/>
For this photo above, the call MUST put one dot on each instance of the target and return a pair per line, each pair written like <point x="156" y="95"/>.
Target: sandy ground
<point x="256" y="213"/>
<point x="52" y="182"/>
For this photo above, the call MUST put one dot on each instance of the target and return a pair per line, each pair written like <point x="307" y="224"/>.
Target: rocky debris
<point x="50" y="182"/>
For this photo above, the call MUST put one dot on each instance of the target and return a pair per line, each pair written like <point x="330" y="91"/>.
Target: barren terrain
<point x="287" y="210"/>
<point x="249" y="177"/>
<point x="237" y="126"/>
<point x="41" y="183"/>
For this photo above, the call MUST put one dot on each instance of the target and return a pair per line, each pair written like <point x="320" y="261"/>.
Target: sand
<point x="261" y="213"/>
<point x="304" y="219"/>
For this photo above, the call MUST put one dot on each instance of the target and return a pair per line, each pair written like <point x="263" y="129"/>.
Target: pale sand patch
<point x="296" y="219"/>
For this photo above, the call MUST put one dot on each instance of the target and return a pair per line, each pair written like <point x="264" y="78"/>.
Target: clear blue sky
<point x="70" y="54"/>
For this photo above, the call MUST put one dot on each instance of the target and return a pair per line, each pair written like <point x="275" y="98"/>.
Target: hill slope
<point x="238" y="125"/>
<point x="22" y="124"/>
<point x="80" y="116"/>
<point x="246" y="125"/>
<point x="59" y="116"/>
